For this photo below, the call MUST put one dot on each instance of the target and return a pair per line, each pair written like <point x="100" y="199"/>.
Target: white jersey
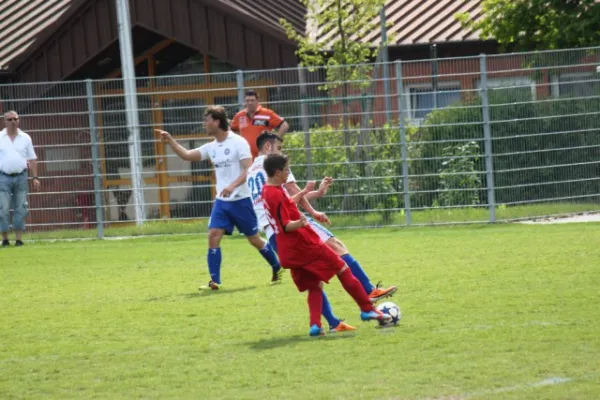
<point x="257" y="177"/>
<point x="226" y="156"/>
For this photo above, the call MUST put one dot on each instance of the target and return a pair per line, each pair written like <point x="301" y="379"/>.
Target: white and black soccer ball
<point x="392" y="310"/>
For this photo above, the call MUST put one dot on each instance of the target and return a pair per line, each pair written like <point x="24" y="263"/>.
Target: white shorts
<point x="324" y="233"/>
<point x="268" y="230"/>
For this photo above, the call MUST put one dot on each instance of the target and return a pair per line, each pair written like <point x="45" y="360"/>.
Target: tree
<point x="538" y="24"/>
<point x="344" y="53"/>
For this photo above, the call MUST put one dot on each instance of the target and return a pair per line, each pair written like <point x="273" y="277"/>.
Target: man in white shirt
<point x="231" y="157"/>
<point x="16" y="157"/>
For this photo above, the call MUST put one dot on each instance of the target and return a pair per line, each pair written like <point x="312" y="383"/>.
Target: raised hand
<point x="324" y="186"/>
<point x="310" y="186"/>
<point x="164" y="135"/>
<point x="321" y="217"/>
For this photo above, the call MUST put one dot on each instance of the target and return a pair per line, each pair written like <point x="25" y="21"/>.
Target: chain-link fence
<point x="475" y="139"/>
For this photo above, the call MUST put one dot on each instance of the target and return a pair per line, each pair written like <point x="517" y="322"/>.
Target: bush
<point x="371" y="181"/>
<point x="541" y="150"/>
<point x="459" y="179"/>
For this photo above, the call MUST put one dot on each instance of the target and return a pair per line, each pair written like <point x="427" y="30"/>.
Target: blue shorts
<point x="239" y="213"/>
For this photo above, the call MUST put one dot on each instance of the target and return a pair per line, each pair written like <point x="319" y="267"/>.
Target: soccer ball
<point x="392" y="310"/>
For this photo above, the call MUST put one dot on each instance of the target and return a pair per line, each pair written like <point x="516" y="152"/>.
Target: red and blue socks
<point x="358" y="272"/>
<point x="354" y="289"/>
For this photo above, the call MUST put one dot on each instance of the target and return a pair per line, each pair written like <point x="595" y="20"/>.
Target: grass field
<point x="490" y="312"/>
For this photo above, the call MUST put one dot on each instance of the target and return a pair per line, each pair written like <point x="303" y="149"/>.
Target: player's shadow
<point x="223" y="292"/>
<point x="293" y="340"/>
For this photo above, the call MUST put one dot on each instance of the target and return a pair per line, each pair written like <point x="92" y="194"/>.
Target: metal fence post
<point x="95" y="158"/>
<point x="239" y="78"/>
<point x="385" y="59"/>
<point x="434" y="74"/>
<point x="487" y="136"/>
<point x="403" y="144"/>
<point x="305" y="124"/>
<point x="131" y="109"/>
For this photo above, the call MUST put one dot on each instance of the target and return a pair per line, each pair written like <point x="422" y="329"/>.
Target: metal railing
<point x="488" y="138"/>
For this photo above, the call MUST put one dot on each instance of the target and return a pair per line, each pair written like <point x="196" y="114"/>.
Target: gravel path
<point x="587" y="217"/>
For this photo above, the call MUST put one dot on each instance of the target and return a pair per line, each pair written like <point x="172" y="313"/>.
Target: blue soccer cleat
<point x="316" y="330"/>
<point x="375" y="316"/>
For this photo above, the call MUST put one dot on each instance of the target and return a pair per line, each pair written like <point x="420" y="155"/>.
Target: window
<point x="422" y="99"/>
<point x="511" y="89"/>
<point x="582" y="84"/>
<point x="62" y="159"/>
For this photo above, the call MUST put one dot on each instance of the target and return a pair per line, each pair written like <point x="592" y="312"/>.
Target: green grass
<point x="419" y="217"/>
<point x="490" y="312"/>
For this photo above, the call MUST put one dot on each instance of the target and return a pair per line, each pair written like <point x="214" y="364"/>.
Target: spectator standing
<point x="256" y="119"/>
<point x="17" y="161"/>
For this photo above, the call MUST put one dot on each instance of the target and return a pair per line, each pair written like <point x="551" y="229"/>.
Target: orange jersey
<point x="250" y="128"/>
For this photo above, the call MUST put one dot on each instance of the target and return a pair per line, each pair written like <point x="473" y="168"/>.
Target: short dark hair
<point x="267" y="137"/>
<point x="274" y="163"/>
<point x="218" y="113"/>
<point x="251" y="93"/>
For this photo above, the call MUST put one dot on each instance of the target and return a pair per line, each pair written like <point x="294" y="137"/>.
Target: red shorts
<point x="322" y="268"/>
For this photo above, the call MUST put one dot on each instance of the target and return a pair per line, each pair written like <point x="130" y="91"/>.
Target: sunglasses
<point x="12" y="119"/>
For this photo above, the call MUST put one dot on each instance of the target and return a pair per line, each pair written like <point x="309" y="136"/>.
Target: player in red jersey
<point x="311" y="262"/>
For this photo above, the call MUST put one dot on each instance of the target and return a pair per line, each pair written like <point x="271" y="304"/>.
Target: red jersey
<point x="297" y="248"/>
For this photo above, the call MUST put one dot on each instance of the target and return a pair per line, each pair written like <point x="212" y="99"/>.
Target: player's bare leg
<point x="256" y="241"/>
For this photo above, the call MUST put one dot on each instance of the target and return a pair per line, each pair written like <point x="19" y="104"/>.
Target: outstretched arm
<point x="182" y="152"/>
<point x="322" y="191"/>
<point x="294" y="190"/>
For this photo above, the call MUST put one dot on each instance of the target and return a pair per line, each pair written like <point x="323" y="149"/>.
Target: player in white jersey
<point x="268" y="143"/>
<point x="231" y="157"/>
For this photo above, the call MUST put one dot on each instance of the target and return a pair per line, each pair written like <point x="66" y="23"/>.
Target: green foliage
<point x="340" y="23"/>
<point x="441" y="127"/>
<point x="352" y="191"/>
<point x="459" y="178"/>
<point x="541" y="150"/>
<point x="538" y="24"/>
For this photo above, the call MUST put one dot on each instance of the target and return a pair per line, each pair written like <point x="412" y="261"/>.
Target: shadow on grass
<point x="202" y="293"/>
<point x="205" y="293"/>
<point x="292" y="340"/>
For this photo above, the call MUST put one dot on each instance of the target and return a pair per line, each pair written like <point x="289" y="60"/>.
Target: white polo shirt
<point x="226" y="156"/>
<point x="14" y="155"/>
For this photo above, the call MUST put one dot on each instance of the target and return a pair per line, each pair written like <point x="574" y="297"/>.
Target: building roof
<point x="22" y="22"/>
<point x="421" y="22"/>
<point x="27" y="23"/>
<point x="270" y="11"/>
